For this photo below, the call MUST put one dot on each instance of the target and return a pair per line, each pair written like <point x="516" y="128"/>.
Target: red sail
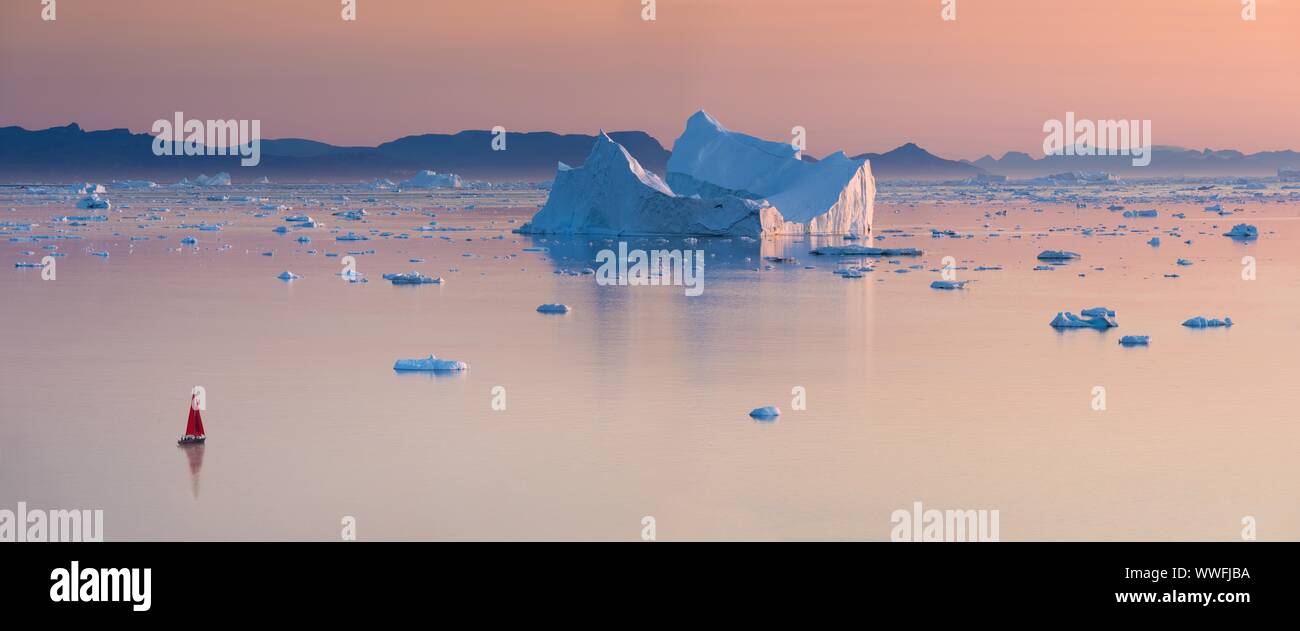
<point x="194" y="425"/>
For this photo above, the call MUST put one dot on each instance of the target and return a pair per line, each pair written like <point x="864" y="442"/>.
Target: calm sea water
<point x="635" y="404"/>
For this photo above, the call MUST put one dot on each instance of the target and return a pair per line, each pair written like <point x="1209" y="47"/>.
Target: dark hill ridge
<point x="71" y="153"/>
<point x="912" y="162"/>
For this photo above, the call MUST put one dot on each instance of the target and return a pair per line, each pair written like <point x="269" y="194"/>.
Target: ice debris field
<point x="756" y="213"/>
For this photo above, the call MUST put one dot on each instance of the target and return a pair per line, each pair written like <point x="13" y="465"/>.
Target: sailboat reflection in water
<point x="194" y="453"/>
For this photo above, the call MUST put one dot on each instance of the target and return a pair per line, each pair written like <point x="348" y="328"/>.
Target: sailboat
<point x="193" y="426"/>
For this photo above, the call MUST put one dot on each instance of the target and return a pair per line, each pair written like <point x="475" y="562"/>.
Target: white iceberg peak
<point x="719" y="183"/>
<point x="832" y="196"/>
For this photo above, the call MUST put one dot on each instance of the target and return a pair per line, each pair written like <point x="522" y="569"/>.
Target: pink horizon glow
<point x="859" y="75"/>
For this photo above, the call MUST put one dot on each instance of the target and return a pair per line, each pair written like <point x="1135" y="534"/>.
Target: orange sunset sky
<point x="859" y="75"/>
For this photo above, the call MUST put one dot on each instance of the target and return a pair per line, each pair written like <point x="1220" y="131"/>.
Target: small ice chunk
<point x="1243" y="231"/>
<point x="949" y="284"/>
<point x="1201" y="322"/>
<point x="553" y="308"/>
<point x="1057" y="255"/>
<point x="94" y="202"/>
<point x="412" y="278"/>
<point x="767" y="412"/>
<point x="1095" y="318"/>
<point x="428" y="364"/>
<point x="287" y="275"/>
<point x="1135" y="340"/>
<point x="1155" y="241"/>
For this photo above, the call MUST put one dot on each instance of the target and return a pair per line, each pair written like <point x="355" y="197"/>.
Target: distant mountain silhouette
<point x="70" y="153"/>
<point x="912" y="162"/>
<point x="1165" y="162"/>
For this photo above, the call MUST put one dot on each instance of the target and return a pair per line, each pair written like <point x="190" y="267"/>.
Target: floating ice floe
<point x="862" y="250"/>
<point x="1057" y="255"/>
<point x="433" y="179"/>
<point x="1155" y="241"/>
<point x="94" y="202"/>
<point x="1243" y="231"/>
<point x="429" y="364"/>
<point x="287" y="275"/>
<point x="1135" y="340"/>
<point x="949" y="284"/>
<point x="1140" y="213"/>
<point x="412" y="278"/>
<point x="189" y="241"/>
<point x="767" y="412"/>
<point x="553" y="308"/>
<point x="720" y="183"/>
<point x="1200" y="322"/>
<point x="132" y="184"/>
<point x="353" y="215"/>
<point x="1094" y="318"/>
<point x="352" y="236"/>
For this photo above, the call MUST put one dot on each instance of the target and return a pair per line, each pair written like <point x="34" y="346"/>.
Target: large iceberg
<point x="720" y="183"/>
<point x="835" y="195"/>
<point x="611" y="194"/>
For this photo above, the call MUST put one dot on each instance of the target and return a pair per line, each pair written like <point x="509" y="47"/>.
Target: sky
<point x="858" y="75"/>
